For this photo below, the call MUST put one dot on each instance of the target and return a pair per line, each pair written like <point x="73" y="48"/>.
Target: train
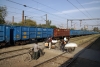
<point x="19" y="35"/>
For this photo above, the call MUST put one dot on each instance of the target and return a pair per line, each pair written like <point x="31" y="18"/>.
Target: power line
<point x="26" y="15"/>
<point x="84" y="8"/>
<point x="50" y="7"/>
<point x="35" y="9"/>
<point x="14" y="12"/>
<point x="77" y="8"/>
<point x="21" y="9"/>
<point x="18" y="9"/>
<point x="44" y="5"/>
<point x="11" y="7"/>
<point x="21" y="13"/>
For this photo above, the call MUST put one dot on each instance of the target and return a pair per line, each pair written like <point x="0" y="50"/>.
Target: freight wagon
<point x="16" y="35"/>
<point x="4" y="35"/>
<point x="61" y="33"/>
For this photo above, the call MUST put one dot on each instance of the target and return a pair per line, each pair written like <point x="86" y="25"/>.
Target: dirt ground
<point x="25" y="59"/>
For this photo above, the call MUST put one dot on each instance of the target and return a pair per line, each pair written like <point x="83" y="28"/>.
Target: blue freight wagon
<point x="78" y="32"/>
<point x="15" y="35"/>
<point x="38" y="33"/>
<point x="73" y="32"/>
<point x="4" y="35"/>
<point x="44" y="33"/>
<point x="50" y="32"/>
<point x="19" y="35"/>
<point x="32" y="33"/>
<point x="24" y="34"/>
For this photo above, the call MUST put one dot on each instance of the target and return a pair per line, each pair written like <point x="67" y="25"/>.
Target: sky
<point x="58" y="11"/>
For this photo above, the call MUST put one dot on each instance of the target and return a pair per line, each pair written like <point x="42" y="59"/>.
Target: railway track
<point x="54" y="62"/>
<point x="11" y="54"/>
<point x="78" y="38"/>
<point x="61" y="60"/>
<point x="14" y="53"/>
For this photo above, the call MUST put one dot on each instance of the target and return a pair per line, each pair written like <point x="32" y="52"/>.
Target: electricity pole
<point x="67" y="23"/>
<point x="25" y="20"/>
<point x="23" y="17"/>
<point x="80" y="20"/>
<point x="71" y="23"/>
<point x="46" y="20"/>
<point x="12" y="20"/>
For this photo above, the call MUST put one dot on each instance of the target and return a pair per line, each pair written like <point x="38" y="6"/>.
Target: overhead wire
<point x="44" y="5"/>
<point x="42" y="10"/>
<point x="26" y="15"/>
<point x="84" y="8"/>
<point x="53" y="8"/>
<point x="35" y="9"/>
<point x="77" y="8"/>
<point x="25" y="6"/>
<point x="50" y="7"/>
<point x="14" y="12"/>
<point x="20" y="13"/>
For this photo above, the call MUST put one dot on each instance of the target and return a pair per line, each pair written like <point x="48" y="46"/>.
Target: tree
<point x="45" y="26"/>
<point x="53" y="26"/>
<point x="28" y="22"/>
<point x="3" y="14"/>
<point x="48" y="23"/>
<point x="8" y="22"/>
<point x="96" y="29"/>
<point x="41" y="25"/>
<point x="72" y="29"/>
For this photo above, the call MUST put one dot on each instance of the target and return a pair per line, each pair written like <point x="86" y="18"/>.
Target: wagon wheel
<point x="17" y="43"/>
<point x="22" y="43"/>
<point x="27" y="42"/>
<point x="69" y="50"/>
<point x="73" y="48"/>
<point x="3" y="44"/>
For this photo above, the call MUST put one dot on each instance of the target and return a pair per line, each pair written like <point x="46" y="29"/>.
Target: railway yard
<point x="85" y="55"/>
<point x="49" y="33"/>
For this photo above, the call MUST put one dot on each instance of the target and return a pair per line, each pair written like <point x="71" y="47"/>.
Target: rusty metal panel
<point x="61" y="32"/>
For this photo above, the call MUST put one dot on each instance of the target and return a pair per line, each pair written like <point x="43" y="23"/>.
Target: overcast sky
<point x="58" y="11"/>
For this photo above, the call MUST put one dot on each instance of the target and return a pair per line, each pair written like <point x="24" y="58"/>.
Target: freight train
<point x="12" y="35"/>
